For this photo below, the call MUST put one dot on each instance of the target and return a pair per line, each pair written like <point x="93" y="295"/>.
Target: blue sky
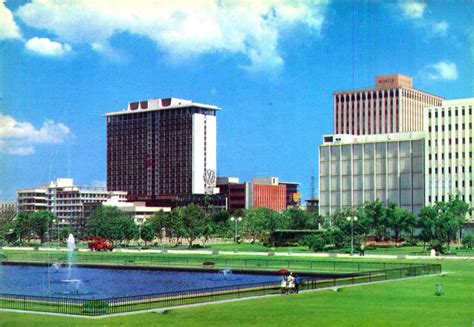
<point x="271" y="66"/>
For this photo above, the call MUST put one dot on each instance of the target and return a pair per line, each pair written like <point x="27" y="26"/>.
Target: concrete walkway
<point x="275" y="254"/>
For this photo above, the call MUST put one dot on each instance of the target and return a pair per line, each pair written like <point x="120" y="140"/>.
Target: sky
<point x="271" y="66"/>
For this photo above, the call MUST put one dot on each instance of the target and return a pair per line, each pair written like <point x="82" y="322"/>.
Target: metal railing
<point x="166" y="260"/>
<point x="96" y="307"/>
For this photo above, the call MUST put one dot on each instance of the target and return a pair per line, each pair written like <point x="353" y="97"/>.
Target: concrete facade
<point x="64" y="199"/>
<point x="392" y="106"/>
<point x="355" y="169"/>
<point x="449" y="151"/>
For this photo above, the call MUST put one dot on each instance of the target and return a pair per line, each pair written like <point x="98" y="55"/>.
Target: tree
<point x="299" y="219"/>
<point x="22" y="226"/>
<point x="148" y="233"/>
<point x="261" y="221"/>
<point x="98" y="223"/>
<point x="399" y="220"/>
<point x="459" y="209"/>
<point x="220" y="221"/>
<point x="195" y="222"/>
<point x="375" y="212"/>
<point x="40" y="222"/>
<point x="361" y="226"/>
<point x="427" y="224"/>
<point x="161" y="220"/>
<point x="112" y="224"/>
<point x="64" y="232"/>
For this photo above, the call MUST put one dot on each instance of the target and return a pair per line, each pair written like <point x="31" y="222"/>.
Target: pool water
<point x="96" y="282"/>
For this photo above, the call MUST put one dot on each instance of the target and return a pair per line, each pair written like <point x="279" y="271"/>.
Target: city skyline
<point x="272" y="73"/>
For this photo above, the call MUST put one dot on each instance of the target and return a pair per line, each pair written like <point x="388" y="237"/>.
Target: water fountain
<point x="56" y="266"/>
<point x="226" y="272"/>
<point x="71" y="246"/>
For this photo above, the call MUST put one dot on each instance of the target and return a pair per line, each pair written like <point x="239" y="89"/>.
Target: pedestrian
<point x="290" y="284"/>
<point x="362" y="250"/>
<point x="283" y="284"/>
<point x="297" y="284"/>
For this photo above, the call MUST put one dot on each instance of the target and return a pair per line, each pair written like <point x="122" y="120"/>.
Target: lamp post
<point x="236" y="220"/>
<point x="352" y="219"/>
<point x="163" y="235"/>
<point x="56" y="221"/>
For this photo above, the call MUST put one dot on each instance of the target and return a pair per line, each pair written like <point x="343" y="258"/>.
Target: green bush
<point x="468" y="241"/>
<point x="316" y="242"/>
<point x="438" y="246"/>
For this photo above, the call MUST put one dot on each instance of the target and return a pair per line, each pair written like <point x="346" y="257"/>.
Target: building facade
<point x="262" y="192"/>
<point x="162" y="148"/>
<point x="66" y="200"/>
<point x="449" y="151"/>
<point x="356" y="169"/>
<point x="392" y="106"/>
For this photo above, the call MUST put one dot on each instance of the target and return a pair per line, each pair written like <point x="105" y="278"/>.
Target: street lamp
<point x="352" y="219"/>
<point x="57" y="229"/>
<point x="236" y="220"/>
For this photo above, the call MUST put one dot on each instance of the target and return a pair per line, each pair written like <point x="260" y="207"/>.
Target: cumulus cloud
<point x="412" y="9"/>
<point x="8" y="28"/>
<point x="181" y="29"/>
<point x="20" y="138"/>
<point x="440" y="71"/>
<point x="46" y="47"/>
<point x="415" y="11"/>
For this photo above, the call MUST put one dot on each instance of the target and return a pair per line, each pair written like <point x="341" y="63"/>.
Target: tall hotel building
<point x="449" y="150"/>
<point x="161" y="149"/>
<point x="393" y="106"/>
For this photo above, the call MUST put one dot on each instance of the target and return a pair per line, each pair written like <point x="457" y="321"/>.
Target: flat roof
<point x="158" y="104"/>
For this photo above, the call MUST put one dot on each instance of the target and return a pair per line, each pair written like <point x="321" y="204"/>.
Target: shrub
<point x="468" y="241"/>
<point x="437" y="246"/>
<point x="316" y="242"/>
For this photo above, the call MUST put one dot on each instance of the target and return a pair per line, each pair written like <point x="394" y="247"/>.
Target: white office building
<point x="449" y="151"/>
<point x="354" y="169"/>
<point x="64" y="199"/>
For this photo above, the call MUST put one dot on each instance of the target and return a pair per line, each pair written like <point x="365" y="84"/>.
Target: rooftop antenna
<point x="353" y="44"/>
<point x="312" y="183"/>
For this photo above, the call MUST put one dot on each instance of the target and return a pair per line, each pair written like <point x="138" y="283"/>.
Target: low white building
<point x="64" y="199"/>
<point x="354" y="169"/>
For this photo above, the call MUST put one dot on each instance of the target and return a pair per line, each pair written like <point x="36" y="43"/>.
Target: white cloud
<point x="46" y="47"/>
<point x="20" y="138"/>
<point x="441" y="71"/>
<point x="180" y="28"/>
<point x="412" y="9"/>
<point x="415" y="11"/>
<point x="8" y="28"/>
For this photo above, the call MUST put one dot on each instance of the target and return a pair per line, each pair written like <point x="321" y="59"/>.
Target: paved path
<point x="276" y="254"/>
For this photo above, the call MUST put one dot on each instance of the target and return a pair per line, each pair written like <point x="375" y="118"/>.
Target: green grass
<point x="397" y="303"/>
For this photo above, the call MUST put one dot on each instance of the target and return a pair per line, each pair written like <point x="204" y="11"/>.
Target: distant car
<point x="97" y="243"/>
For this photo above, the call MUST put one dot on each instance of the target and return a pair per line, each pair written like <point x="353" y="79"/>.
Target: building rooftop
<point x="336" y="139"/>
<point x="160" y="104"/>
<point x="383" y="82"/>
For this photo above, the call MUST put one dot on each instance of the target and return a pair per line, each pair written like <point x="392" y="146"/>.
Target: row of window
<point x="434" y="113"/>
<point x="450" y="155"/>
<point x="443" y="198"/>
<point x="443" y="127"/>
<point x="462" y="169"/>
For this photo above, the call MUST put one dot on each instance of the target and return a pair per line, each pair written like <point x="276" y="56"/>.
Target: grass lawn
<point x="397" y="303"/>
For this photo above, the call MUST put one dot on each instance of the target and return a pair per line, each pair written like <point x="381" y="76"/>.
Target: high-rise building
<point x="66" y="200"/>
<point x="449" y="151"/>
<point x="355" y="169"/>
<point x="162" y="149"/>
<point x="392" y="106"/>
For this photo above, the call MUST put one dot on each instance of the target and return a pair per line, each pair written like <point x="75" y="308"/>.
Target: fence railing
<point x="95" y="307"/>
<point x="166" y="260"/>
